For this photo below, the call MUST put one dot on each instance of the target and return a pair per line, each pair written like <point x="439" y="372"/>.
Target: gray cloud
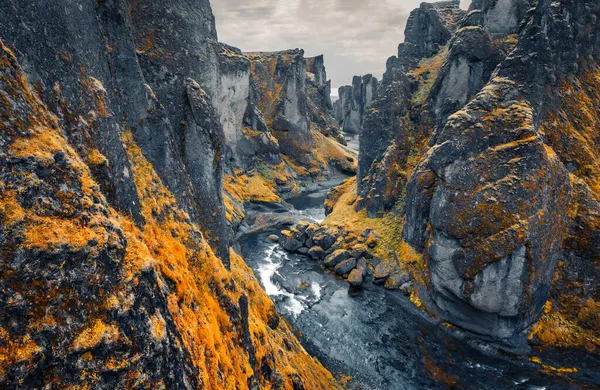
<point x="356" y="36"/>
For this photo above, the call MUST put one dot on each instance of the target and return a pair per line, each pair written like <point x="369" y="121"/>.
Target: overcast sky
<point x="356" y="36"/>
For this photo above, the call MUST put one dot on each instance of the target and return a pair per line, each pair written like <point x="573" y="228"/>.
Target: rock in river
<point x="316" y="253"/>
<point x="336" y="257"/>
<point x="290" y="241"/>
<point x="273" y="238"/>
<point x="356" y="277"/>
<point x="345" y="266"/>
<point x="324" y="240"/>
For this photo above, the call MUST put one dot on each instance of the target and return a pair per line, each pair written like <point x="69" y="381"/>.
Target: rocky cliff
<point x="116" y="268"/>
<point x="354" y="101"/>
<point x="481" y="148"/>
<point x="287" y="138"/>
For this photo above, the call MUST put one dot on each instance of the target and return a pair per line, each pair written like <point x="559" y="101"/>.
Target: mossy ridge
<point x="196" y="287"/>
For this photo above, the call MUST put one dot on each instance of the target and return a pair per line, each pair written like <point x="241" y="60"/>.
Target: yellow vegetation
<point x="158" y="327"/>
<point x="573" y="129"/>
<point x="208" y="333"/>
<point x="43" y="143"/>
<point x="328" y="152"/>
<point x="97" y="333"/>
<point x="557" y="327"/>
<point x="553" y="370"/>
<point x="253" y="188"/>
<point x="198" y="289"/>
<point x="16" y="351"/>
<point x="426" y="73"/>
<point x="94" y="157"/>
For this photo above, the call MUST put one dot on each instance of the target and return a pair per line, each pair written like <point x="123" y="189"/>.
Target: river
<point x="372" y="335"/>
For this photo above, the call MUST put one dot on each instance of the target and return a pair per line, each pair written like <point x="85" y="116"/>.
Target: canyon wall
<point x="354" y="101"/>
<point x="481" y="146"/>
<point x="118" y="121"/>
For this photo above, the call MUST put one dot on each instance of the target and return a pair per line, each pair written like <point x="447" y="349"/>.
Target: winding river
<point x="373" y="335"/>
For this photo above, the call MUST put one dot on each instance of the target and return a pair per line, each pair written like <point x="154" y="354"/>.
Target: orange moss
<point x="426" y="73"/>
<point x="556" y="328"/>
<point x="94" y="157"/>
<point x="200" y="278"/>
<point x="328" y="152"/>
<point x="43" y="143"/>
<point x="573" y="128"/>
<point x="98" y="332"/>
<point x="553" y="370"/>
<point x="48" y="233"/>
<point x="253" y="188"/>
<point x="12" y="351"/>
<point x="158" y="327"/>
<point x="198" y="289"/>
<point x="11" y="211"/>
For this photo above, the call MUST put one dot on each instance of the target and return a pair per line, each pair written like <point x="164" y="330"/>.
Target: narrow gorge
<point x="179" y="213"/>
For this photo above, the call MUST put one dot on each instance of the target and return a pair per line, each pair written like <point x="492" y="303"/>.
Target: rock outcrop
<point x="115" y="266"/>
<point x="499" y="16"/>
<point x="407" y="80"/>
<point x="476" y="147"/>
<point x="354" y="101"/>
<point x="287" y="138"/>
<point x="320" y="107"/>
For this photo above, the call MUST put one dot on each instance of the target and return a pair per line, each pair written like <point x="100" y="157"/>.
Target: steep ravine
<point x="372" y="337"/>
<point x="453" y="237"/>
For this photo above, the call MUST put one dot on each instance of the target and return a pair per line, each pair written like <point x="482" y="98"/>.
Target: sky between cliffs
<point x="356" y="36"/>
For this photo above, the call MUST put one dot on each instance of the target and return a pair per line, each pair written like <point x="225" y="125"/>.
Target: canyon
<point x="179" y="213"/>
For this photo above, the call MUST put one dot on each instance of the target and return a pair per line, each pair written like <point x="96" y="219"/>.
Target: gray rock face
<point x="381" y="125"/>
<point x="501" y="16"/>
<point x="345" y="266"/>
<point x="493" y="274"/>
<point x="483" y="145"/>
<point x="280" y="79"/>
<point x="232" y="102"/>
<point x="354" y="102"/>
<point x="320" y="107"/>
<point x="384" y="140"/>
<point x="336" y="258"/>
<point x="470" y="63"/>
<point x="127" y="54"/>
<point x="428" y="28"/>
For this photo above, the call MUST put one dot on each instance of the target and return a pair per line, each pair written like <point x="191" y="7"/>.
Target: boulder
<point x="336" y="257"/>
<point x="371" y="242"/>
<point x="316" y="252"/>
<point x="395" y="280"/>
<point x="303" y="250"/>
<point x="324" y="239"/>
<point x="273" y="238"/>
<point x="345" y="266"/>
<point x="302" y="226"/>
<point x="356" y="277"/>
<point x="312" y="229"/>
<point x="289" y="241"/>
<point x="381" y="274"/>
<point x="358" y="251"/>
<point x="375" y="261"/>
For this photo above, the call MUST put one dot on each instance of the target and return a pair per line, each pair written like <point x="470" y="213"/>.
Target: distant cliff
<point x="118" y="122"/>
<point x="354" y="102"/>
<point x="280" y="130"/>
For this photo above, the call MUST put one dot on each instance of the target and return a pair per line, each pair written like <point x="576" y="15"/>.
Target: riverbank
<point x="376" y="337"/>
